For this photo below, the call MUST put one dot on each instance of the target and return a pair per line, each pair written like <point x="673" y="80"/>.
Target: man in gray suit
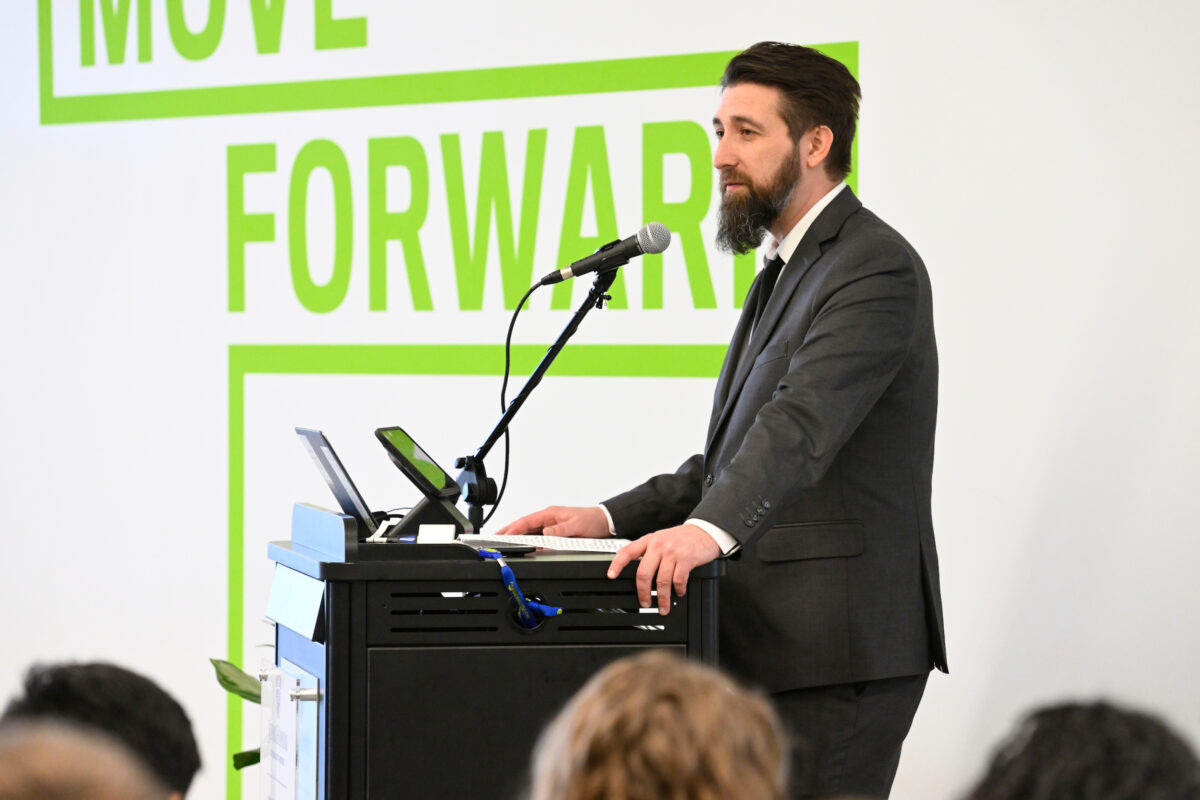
<point x="815" y="476"/>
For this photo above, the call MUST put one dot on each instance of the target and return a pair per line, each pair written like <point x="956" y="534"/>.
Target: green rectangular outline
<point x="583" y="360"/>
<point x="453" y="86"/>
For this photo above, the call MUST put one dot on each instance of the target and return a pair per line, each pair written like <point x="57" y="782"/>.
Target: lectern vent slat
<point x="593" y="609"/>
<point x="630" y="628"/>
<point x="449" y="603"/>
<point x="602" y="593"/>
<point x="396" y="612"/>
<point x="442" y="630"/>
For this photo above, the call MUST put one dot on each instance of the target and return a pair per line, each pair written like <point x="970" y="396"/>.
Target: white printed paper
<point x="548" y="542"/>
<point x="278" y="737"/>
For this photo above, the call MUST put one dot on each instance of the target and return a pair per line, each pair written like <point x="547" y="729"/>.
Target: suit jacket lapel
<point x="740" y="334"/>
<point x="825" y="227"/>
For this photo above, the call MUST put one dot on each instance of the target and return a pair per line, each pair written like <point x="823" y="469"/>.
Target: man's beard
<point x="745" y="216"/>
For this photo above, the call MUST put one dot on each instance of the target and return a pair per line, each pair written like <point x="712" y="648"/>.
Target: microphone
<point x="653" y="238"/>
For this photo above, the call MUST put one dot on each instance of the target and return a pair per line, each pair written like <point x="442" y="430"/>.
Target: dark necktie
<point x="766" y="282"/>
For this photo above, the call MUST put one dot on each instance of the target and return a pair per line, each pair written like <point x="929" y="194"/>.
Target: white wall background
<point x="1041" y="157"/>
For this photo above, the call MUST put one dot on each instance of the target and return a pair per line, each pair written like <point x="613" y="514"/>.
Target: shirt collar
<point x="791" y="241"/>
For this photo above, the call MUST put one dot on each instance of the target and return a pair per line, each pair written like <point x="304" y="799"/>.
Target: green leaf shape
<point x="234" y="680"/>
<point x="245" y="758"/>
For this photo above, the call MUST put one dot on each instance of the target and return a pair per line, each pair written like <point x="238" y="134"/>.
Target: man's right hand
<point x="587" y="522"/>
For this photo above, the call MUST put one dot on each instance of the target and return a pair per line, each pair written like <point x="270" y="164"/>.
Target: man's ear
<point x="814" y="146"/>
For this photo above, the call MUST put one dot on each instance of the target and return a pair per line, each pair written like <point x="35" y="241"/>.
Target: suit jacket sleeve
<point x="660" y="502"/>
<point x="862" y="327"/>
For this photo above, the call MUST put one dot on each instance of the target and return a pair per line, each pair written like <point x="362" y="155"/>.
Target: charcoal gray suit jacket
<point x="818" y="460"/>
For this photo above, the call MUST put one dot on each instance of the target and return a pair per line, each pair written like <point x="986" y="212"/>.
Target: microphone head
<point x="654" y="238"/>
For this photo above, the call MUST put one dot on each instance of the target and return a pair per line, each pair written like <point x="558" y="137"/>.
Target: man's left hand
<point x="668" y="557"/>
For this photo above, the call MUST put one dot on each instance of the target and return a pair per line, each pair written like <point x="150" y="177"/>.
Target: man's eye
<point x="718" y="134"/>
<point x="748" y="132"/>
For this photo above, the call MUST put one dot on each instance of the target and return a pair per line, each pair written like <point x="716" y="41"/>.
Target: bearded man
<point x="815" y="476"/>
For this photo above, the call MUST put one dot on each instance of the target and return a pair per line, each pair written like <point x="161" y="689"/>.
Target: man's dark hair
<point x="1091" y="752"/>
<point x="817" y="90"/>
<point x="127" y="706"/>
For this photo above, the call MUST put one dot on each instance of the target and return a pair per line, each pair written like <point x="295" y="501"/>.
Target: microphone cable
<point x="503" y="404"/>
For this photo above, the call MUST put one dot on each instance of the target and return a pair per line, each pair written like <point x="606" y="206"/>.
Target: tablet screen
<point x="336" y="477"/>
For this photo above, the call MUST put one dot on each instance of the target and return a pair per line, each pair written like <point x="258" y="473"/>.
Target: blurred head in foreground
<point x="1091" y="752"/>
<point x="44" y="760"/>
<point x="127" y="706"/>
<point x="656" y="727"/>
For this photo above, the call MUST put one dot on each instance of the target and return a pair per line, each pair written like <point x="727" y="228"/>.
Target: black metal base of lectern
<point x="429" y="688"/>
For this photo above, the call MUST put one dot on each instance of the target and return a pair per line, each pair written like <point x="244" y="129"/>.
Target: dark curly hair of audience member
<point x="127" y="706"/>
<point x="1093" y="751"/>
<point x="656" y="727"/>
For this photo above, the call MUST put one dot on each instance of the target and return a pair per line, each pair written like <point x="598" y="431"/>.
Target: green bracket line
<point x="599" y="361"/>
<point x="454" y="86"/>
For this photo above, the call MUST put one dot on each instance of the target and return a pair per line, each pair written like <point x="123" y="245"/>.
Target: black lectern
<point x="426" y="686"/>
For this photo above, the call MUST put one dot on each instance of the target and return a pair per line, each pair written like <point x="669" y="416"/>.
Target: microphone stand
<point x="477" y="488"/>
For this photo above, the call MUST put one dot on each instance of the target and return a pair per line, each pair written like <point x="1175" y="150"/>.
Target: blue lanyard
<point x="529" y="612"/>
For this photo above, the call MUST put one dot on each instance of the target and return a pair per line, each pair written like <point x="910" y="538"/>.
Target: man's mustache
<point x="735" y="177"/>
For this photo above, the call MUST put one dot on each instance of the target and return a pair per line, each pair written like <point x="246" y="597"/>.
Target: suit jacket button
<point x="766" y="503"/>
<point x="762" y="510"/>
<point x="749" y="523"/>
<point x="708" y="479"/>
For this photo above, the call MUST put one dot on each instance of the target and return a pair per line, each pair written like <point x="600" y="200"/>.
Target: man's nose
<point x="723" y="156"/>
